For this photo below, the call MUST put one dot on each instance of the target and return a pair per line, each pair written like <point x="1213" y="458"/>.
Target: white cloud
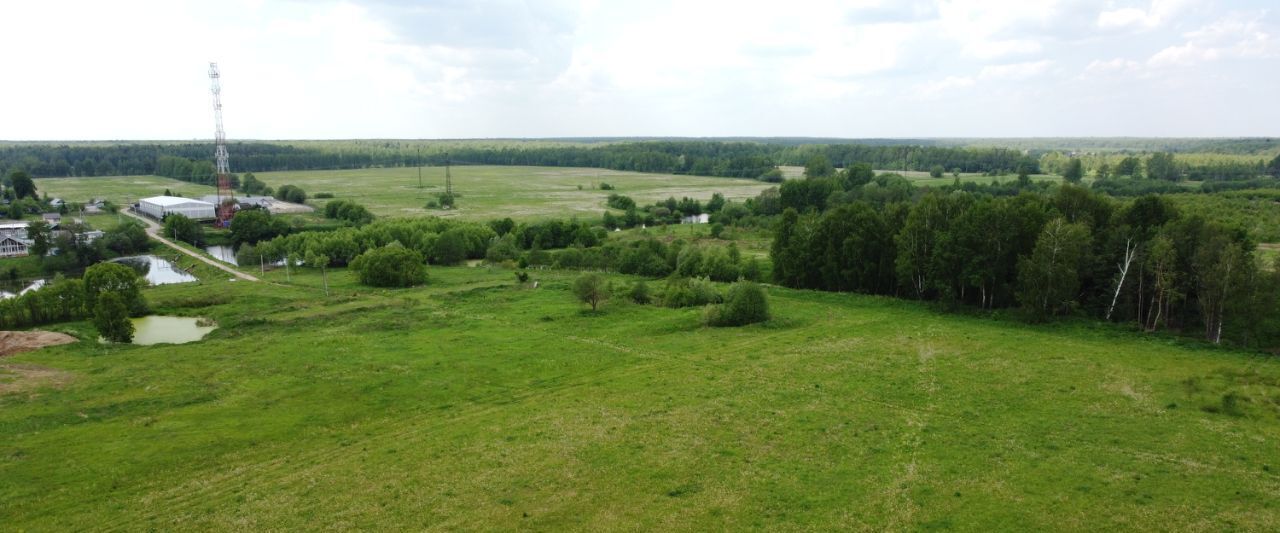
<point x="1015" y="71"/>
<point x="934" y="89"/>
<point x="1236" y="35"/>
<point x="999" y="49"/>
<point x="1114" y="66"/>
<point x="1157" y="14"/>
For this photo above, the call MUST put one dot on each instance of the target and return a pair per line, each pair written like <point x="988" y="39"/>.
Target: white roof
<point x="166" y="201"/>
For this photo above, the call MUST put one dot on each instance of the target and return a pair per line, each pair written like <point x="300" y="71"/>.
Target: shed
<point x="159" y="206"/>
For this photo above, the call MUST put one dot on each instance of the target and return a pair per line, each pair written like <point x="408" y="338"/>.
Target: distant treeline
<point x="739" y="159"/>
<point x="708" y="158"/>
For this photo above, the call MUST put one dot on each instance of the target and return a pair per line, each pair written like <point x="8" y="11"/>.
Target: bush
<point x="349" y="211"/>
<point x="690" y="292"/>
<point x="392" y="265"/>
<point x="606" y="187"/>
<point x="590" y="288"/>
<point x="322" y="195"/>
<point x="717" y="230"/>
<point x="745" y="304"/>
<point x="639" y="293"/>
<point x="290" y="193"/>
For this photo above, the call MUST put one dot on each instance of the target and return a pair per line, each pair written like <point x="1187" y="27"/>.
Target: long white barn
<point x="159" y="206"/>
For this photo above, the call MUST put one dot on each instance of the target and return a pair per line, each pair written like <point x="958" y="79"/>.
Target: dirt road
<point x="153" y="229"/>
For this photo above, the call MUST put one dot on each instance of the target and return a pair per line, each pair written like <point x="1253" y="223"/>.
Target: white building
<point x="159" y="206"/>
<point x="11" y="246"/>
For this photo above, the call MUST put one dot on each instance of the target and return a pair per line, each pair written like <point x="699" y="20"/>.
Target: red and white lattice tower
<point x="226" y="197"/>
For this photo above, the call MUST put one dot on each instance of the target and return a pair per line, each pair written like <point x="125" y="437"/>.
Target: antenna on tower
<point x="222" y="165"/>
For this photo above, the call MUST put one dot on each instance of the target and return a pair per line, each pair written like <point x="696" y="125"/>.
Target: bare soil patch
<point x="15" y="342"/>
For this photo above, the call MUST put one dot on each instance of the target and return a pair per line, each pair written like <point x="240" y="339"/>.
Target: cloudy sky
<point x="473" y="68"/>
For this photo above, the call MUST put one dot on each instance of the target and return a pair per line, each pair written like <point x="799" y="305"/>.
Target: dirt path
<point x="153" y="229"/>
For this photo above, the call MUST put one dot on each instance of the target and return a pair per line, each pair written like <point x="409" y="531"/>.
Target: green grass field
<point x="121" y="190"/>
<point x="485" y="192"/>
<point x="488" y="192"/>
<point x="473" y="403"/>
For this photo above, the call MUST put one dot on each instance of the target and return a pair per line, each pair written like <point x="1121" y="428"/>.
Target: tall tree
<point x="1074" y="172"/>
<point x="111" y="318"/>
<point x="1049" y="279"/>
<point x="23" y="185"/>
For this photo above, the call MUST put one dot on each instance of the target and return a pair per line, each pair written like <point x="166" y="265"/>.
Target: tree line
<point x="1061" y="252"/>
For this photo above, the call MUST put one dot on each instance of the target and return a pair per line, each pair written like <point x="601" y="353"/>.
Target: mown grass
<point x="474" y="403"/>
<point x="485" y="192"/>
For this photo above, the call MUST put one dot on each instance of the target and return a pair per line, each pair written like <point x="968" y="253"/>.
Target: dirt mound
<point x="12" y="342"/>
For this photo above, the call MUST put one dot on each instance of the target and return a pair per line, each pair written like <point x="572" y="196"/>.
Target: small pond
<point x="696" y="219"/>
<point x="158" y="329"/>
<point x="223" y="253"/>
<point x="156" y="270"/>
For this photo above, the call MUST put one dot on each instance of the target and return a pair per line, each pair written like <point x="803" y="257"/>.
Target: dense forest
<point x="1046" y="251"/>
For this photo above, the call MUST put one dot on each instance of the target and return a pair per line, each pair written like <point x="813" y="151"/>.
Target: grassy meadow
<point x="477" y="403"/>
<point x="487" y="192"/>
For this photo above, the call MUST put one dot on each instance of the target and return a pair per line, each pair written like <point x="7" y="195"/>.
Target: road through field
<point x="153" y="229"/>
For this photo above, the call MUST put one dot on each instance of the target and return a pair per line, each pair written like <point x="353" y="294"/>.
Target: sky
<point x="525" y="69"/>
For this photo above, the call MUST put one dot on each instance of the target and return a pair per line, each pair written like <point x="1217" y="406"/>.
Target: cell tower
<point x="226" y="197"/>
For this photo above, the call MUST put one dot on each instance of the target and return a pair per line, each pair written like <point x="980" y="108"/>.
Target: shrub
<point x="392" y="265"/>
<point x="349" y="211"/>
<point x="639" y="293"/>
<point x="321" y="195"/>
<point x="590" y="288"/>
<point x="689" y="292"/>
<point x="606" y="187"/>
<point x="290" y="193"/>
<point x="745" y="304"/>
<point x="717" y="230"/>
<point x="522" y="276"/>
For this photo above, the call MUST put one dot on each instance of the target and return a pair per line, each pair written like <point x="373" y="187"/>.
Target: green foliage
<point x="111" y="318"/>
<point x="23" y="185"/>
<point x="1161" y="166"/>
<point x="639" y="293"/>
<point x="690" y="292"/>
<point x="1074" y="172"/>
<point x="1049" y="278"/>
<point x="128" y="237"/>
<point x="605" y="186"/>
<point x="936" y="171"/>
<point x="450" y="247"/>
<point x="60" y="300"/>
<point x="290" y="193"/>
<point x="1129" y="166"/>
<point x="746" y="303"/>
<point x="348" y="211"/>
<point x="390" y="266"/>
<point x="180" y="227"/>
<point x="117" y="279"/>
<point x="254" y="225"/>
<point x="618" y="201"/>
<point x="446" y="200"/>
<point x="590" y="288"/>
<point x="818" y="166"/>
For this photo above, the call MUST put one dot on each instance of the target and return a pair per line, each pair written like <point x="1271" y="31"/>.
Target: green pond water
<point x="168" y="330"/>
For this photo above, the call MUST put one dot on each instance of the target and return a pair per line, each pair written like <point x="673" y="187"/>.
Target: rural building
<point x="14" y="229"/>
<point x="11" y="246"/>
<point x="272" y="205"/>
<point x="159" y="206"/>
